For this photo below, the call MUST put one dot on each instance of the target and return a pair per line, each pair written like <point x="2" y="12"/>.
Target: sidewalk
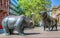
<point x="37" y="32"/>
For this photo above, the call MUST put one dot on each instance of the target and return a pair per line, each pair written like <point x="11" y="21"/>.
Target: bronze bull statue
<point x="16" y="22"/>
<point x="48" y="21"/>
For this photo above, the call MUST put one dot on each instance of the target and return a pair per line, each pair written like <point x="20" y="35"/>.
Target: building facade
<point x="4" y="9"/>
<point x="55" y="11"/>
<point x="8" y="7"/>
<point x="13" y="7"/>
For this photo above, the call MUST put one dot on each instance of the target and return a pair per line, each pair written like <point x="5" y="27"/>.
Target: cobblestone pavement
<point x="37" y="32"/>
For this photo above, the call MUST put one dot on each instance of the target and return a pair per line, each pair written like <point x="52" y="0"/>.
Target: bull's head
<point x="43" y="14"/>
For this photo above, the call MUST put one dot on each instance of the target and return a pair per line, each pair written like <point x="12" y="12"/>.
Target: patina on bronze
<point x="16" y="22"/>
<point x="48" y="21"/>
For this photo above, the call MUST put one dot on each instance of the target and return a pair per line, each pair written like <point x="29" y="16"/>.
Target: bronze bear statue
<point x="12" y="22"/>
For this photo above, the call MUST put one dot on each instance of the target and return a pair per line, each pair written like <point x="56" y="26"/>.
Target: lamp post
<point x="33" y="17"/>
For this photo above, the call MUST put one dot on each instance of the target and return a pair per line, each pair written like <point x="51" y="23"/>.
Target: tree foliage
<point x="34" y="6"/>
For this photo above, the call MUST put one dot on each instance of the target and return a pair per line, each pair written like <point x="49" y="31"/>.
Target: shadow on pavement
<point x="53" y="30"/>
<point x="31" y="33"/>
<point x="26" y="33"/>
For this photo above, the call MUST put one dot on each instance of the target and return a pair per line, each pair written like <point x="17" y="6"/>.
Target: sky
<point x="55" y="2"/>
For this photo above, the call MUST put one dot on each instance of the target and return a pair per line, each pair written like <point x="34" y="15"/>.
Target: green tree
<point x="34" y="6"/>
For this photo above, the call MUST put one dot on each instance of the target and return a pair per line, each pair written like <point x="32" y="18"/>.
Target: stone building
<point x="4" y="9"/>
<point x="56" y="10"/>
<point x="8" y="7"/>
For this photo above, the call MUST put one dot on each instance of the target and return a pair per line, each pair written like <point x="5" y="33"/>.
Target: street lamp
<point x="33" y="17"/>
